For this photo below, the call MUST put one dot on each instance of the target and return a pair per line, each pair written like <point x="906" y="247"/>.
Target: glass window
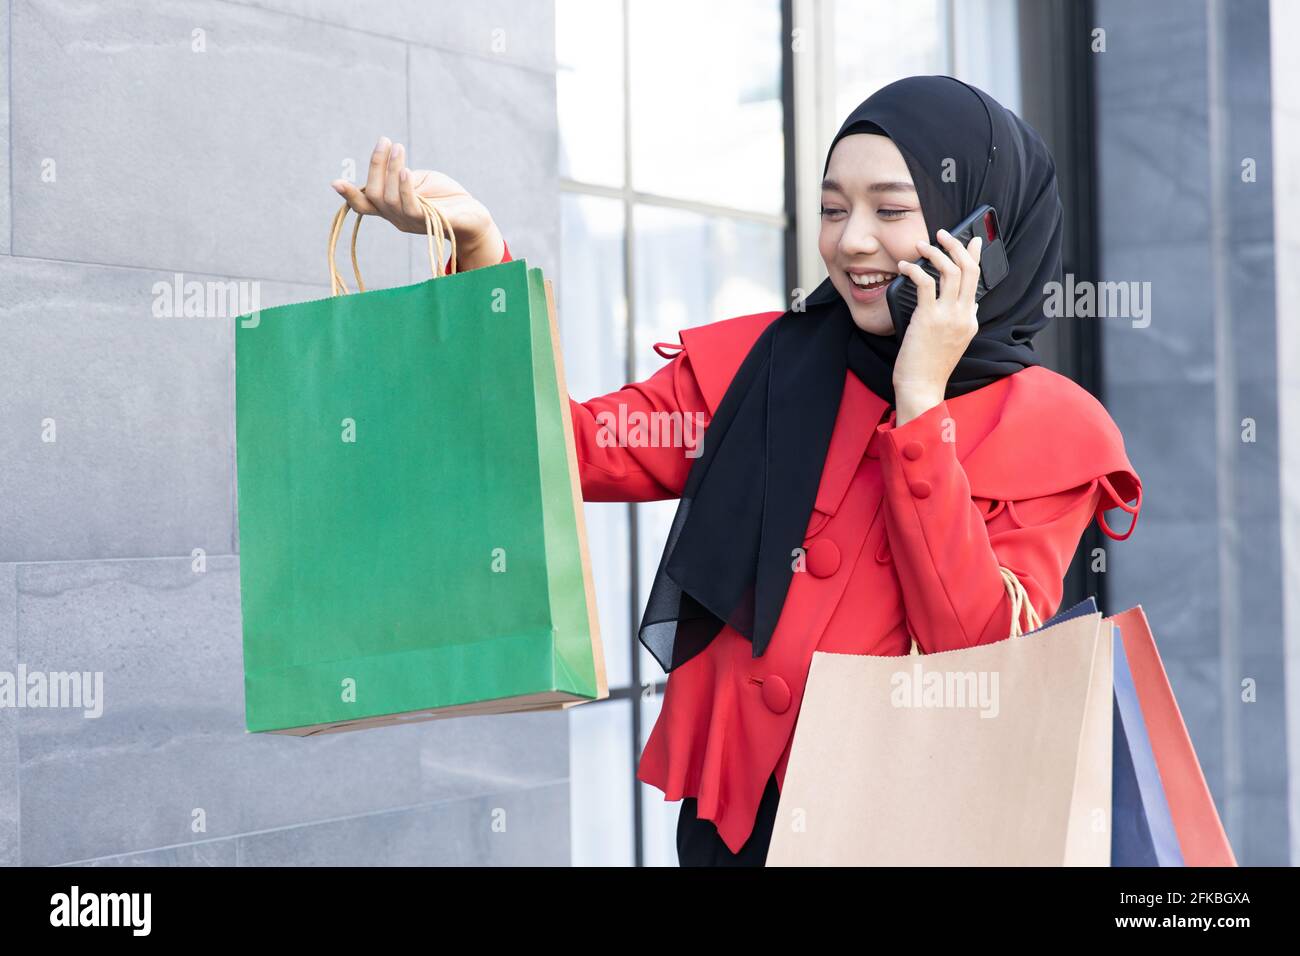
<point x="600" y="796"/>
<point x="706" y="101"/>
<point x="658" y="816"/>
<point x="692" y="180"/>
<point x="693" y="268"/>
<point x="879" y="41"/>
<point x="589" y="89"/>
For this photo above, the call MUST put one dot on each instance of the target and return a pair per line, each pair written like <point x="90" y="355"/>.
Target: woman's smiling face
<point x="871" y="218"/>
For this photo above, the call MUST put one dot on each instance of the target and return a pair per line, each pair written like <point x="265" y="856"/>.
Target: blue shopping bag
<point x="1142" y="828"/>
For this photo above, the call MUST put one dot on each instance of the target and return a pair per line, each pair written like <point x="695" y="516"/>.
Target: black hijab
<point x="750" y="493"/>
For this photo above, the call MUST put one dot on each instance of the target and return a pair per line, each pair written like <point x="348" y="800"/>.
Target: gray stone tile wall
<point x="1183" y="98"/>
<point x="159" y="144"/>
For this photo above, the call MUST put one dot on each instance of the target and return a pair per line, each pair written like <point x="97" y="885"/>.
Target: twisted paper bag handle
<point x="431" y="212"/>
<point x="1019" y="603"/>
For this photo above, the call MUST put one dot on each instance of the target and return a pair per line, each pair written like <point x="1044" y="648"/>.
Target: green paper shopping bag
<point x="412" y="543"/>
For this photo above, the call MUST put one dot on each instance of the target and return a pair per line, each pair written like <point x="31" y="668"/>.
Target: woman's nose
<point x="859" y="242"/>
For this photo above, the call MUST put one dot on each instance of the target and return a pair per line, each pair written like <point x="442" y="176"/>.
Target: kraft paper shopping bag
<point x="998" y="754"/>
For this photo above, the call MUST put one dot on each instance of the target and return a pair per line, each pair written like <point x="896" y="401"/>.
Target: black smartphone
<point x="901" y="294"/>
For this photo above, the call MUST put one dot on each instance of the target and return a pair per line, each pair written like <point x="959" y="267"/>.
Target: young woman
<point x="859" y="487"/>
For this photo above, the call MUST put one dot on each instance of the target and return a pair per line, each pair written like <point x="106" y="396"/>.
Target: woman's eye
<point x="828" y="211"/>
<point x="892" y="213"/>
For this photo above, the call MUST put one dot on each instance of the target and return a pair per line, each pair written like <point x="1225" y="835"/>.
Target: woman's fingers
<point x="970" y="269"/>
<point x="375" y="176"/>
<point x="949" y="271"/>
<point x="355" y="197"/>
<point x="392" y="184"/>
<point x="968" y="280"/>
<point x="397" y="193"/>
<point x="410" y="204"/>
<point x="923" y="281"/>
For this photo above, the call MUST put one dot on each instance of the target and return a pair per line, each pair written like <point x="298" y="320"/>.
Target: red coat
<point x="908" y="529"/>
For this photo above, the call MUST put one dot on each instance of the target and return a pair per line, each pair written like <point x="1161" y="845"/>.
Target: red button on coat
<point x="823" y="558"/>
<point x="912" y="450"/>
<point x="920" y="488"/>
<point x="776" y="694"/>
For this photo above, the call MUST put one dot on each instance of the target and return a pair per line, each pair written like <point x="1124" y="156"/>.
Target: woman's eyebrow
<point x="887" y="187"/>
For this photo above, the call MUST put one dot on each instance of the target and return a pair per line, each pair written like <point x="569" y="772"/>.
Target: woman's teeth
<point x="870" y="279"/>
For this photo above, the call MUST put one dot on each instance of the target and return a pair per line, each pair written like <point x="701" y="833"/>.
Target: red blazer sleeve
<point x="446" y="270"/>
<point x="638" y="443"/>
<point x="947" y="546"/>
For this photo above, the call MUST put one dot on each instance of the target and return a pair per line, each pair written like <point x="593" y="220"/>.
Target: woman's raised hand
<point x="390" y="193"/>
<point x="942" y="325"/>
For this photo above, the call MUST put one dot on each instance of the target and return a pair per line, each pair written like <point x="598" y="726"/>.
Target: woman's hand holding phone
<point x="941" y="328"/>
<point x="390" y="193"/>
